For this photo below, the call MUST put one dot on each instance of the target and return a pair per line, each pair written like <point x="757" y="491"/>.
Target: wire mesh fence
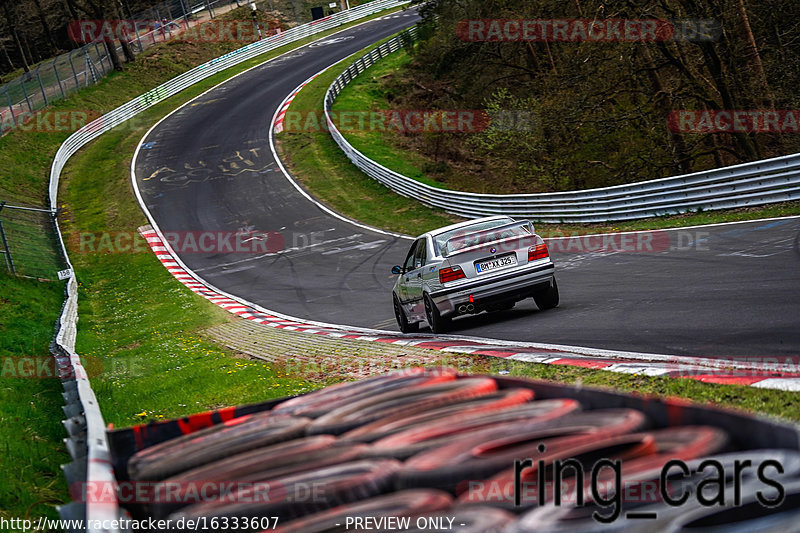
<point x="28" y="242"/>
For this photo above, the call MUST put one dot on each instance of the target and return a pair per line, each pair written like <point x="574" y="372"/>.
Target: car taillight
<point x="538" y="252"/>
<point x="451" y="274"/>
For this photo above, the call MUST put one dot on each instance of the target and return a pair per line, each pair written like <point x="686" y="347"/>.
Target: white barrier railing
<point x="87" y="441"/>
<point x="745" y="185"/>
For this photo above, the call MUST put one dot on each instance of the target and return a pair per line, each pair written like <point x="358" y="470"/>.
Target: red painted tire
<point x="272" y="462"/>
<point x="493" y="449"/>
<point x="496" y="401"/>
<point x="397" y="504"/>
<point x="223" y="440"/>
<point x="418" y="439"/>
<point x="302" y="494"/>
<point x="317" y="403"/>
<point x="409" y="400"/>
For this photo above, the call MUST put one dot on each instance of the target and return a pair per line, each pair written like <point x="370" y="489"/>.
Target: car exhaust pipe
<point x="462" y="309"/>
<point x="470" y="308"/>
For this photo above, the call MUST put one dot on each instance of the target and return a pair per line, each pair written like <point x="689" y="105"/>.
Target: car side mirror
<point x="397" y="269"/>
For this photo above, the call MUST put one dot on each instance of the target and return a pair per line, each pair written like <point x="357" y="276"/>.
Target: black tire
<point x="408" y="401"/>
<point x="317" y="403"/>
<point x="304" y="494"/>
<point x="487" y="452"/>
<point x="414" y="440"/>
<point x="402" y="321"/>
<point x="437" y="322"/>
<point x="214" y="443"/>
<point x="548" y="298"/>
<point x="263" y="464"/>
<point x="493" y="402"/>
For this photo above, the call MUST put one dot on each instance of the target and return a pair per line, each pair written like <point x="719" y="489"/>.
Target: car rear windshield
<point x="475" y="234"/>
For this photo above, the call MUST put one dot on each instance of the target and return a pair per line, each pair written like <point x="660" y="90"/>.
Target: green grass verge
<point x="368" y="92"/>
<point x="775" y="403"/>
<point x="30" y="408"/>
<point x="136" y="338"/>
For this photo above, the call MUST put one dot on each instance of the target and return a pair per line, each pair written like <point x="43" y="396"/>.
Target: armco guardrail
<point x="87" y="441"/>
<point x="749" y="184"/>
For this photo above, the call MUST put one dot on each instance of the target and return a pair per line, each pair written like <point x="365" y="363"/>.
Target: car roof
<point x="439" y="231"/>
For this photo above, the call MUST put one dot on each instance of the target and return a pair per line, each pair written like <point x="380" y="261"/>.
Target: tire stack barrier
<point x="433" y="450"/>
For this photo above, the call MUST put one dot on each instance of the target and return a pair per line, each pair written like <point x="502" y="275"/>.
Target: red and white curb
<point x="286" y="103"/>
<point x="775" y="376"/>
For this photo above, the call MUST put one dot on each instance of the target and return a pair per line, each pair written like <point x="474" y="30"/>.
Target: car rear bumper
<point x="512" y="286"/>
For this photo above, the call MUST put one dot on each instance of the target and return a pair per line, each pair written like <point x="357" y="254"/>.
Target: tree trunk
<point x="45" y="26"/>
<point x="663" y="102"/>
<point x="11" y="23"/>
<point x="126" y="47"/>
<point x="755" y="57"/>
<point x="26" y="43"/>
<point x="71" y="10"/>
<point x="5" y="54"/>
<point x="113" y="56"/>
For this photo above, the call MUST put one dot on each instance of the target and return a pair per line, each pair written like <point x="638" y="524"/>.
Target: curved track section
<point x="209" y="168"/>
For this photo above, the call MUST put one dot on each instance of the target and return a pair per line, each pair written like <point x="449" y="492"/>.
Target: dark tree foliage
<point x="34" y="30"/>
<point x="601" y="108"/>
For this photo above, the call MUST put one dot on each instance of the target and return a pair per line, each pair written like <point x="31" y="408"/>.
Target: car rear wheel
<point x="402" y="322"/>
<point x="437" y="322"/>
<point x="548" y="298"/>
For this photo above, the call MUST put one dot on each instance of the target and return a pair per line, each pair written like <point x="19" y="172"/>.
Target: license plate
<point x="494" y="264"/>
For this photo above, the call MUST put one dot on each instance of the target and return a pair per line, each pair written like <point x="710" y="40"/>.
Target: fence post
<point x="74" y="72"/>
<point x="41" y="85"/>
<point x="25" y="92"/>
<point x="7" y="252"/>
<point x="10" y="106"/>
<point x="58" y="79"/>
<point x="138" y="37"/>
<point x="185" y="14"/>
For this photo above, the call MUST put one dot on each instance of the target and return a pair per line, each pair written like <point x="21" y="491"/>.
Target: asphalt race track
<point x="729" y="290"/>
